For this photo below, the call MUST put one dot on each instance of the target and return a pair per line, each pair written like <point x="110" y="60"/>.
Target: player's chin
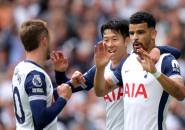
<point x="112" y="57"/>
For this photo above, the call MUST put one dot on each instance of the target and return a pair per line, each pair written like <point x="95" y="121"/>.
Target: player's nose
<point x="109" y="44"/>
<point x="135" y="37"/>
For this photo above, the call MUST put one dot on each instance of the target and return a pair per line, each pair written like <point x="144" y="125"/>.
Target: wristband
<point x="157" y="74"/>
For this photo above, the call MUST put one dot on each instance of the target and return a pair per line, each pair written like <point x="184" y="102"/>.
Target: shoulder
<point x="170" y="61"/>
<point x="35" y="83"/>
<point x="35" y="77"/>
<point x="169" y="65"/>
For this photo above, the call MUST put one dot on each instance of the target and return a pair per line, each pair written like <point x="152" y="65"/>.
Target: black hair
<point x="120" y="26"/>
<point x="143" y="17"/>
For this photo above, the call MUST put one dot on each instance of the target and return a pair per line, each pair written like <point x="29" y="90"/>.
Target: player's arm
<point x="104" y="85"/>
<point x="36" y="88"/>
<point x="101" y="57"/>
<point x="88" y="83"/>
<point x="78" y="82"/>
<point x="168" y="49"/>
<point x="158" y="50"/>
<point x="170" y="78"/>
<point x="60" y="78"/>
<point x="60" y="64"/>
<point x="81" y="82"/>
<point x="100" y="83"/>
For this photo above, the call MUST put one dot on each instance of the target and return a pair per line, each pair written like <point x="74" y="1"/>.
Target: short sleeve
<point x="35" y="86"/>
<point x="170" y="66"/>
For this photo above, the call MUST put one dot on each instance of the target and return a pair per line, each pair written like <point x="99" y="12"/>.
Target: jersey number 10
<point x="20" y="116"/>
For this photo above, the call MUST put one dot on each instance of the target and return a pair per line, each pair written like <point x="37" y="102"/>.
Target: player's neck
<point x="114" y="63"/>
<point x="35" y="57"/>
<point x="151" y="47"/>
<point x="117" y="61"/>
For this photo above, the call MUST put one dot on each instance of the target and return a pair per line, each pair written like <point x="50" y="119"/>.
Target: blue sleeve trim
<point x="43" y="115"/>
<point x="35" y="84"/>
<point x="167" y="49"/>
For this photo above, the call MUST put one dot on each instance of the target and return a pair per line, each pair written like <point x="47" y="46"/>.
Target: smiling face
<point x="115" y="43"/>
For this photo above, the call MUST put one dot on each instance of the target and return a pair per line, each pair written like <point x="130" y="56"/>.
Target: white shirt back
<point x="24" y="118"/>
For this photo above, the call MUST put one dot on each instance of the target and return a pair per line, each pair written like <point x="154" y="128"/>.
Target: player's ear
<point x="127" y="41"/>
<point x="44" y="40"/>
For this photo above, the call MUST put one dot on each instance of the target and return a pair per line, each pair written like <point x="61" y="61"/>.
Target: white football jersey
<point x="145" y="101"/>
<point x="114" y="105"/>
<point x="24" y="119"/>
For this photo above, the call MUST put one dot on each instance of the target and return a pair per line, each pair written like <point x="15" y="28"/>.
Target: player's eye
<point x="141" y="32"/>
<point x="131" y="33"/>
<point x="105" y="40"/>
<point x="115" y="39"/>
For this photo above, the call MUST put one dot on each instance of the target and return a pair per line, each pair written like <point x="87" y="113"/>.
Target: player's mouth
<point x="111" y="51"/>
<point x="137" y="45"/>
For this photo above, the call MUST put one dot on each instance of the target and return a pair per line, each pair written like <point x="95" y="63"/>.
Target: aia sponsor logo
<point x="114" y="95"/>
<point x="134" y="91"/>
<point x="131" y="91"/>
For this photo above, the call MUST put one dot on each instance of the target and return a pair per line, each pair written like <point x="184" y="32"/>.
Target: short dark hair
<point x="120" y="26"/>
<point x="30" y="33"/>
<point x="143" y="17"/>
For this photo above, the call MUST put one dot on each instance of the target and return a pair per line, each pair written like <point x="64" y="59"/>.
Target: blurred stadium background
<point x="75" y="29"/>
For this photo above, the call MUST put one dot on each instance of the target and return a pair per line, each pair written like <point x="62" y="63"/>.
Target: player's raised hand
<point x="146" y="61"/>
<point x="60" y="62"/>
<point x="101" y="55"/>
<point x="64" y="90"/>
<point x="77" y="79"/>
